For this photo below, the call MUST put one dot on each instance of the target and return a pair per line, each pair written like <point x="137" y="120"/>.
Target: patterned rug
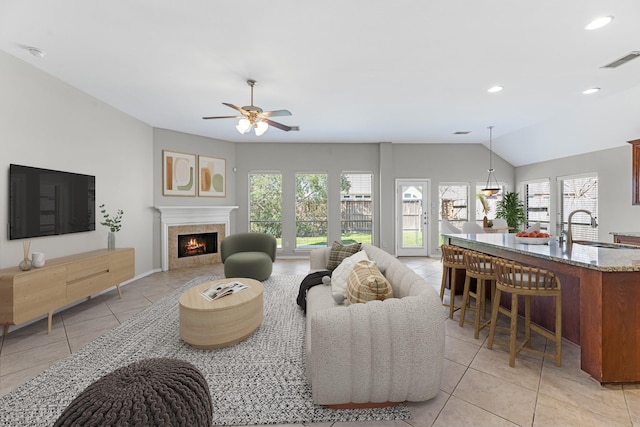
<point x="261" y="380"/>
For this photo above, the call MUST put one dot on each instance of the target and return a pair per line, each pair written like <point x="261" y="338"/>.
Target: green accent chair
<point x="248" y="255"/>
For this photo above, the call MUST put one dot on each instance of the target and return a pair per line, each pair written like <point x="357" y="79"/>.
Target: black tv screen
<point x="44" y="202"/>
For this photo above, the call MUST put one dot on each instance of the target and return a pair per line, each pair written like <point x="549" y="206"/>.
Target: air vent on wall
<point x="623" y="60"/>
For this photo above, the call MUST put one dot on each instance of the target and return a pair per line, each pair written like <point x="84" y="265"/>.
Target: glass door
<point x="412" y="217"/>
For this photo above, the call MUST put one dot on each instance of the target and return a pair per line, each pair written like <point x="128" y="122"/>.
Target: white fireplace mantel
<point x="187" y="215"/>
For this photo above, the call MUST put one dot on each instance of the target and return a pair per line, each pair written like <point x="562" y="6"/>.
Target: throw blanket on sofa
<point x="308" y="282"/>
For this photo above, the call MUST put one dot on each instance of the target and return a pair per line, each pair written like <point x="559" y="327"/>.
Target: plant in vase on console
<point x="114" y="224"/>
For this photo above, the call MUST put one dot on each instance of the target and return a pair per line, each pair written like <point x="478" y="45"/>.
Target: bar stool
<point x="452" y="261"/>
<point x="518" y="280"/>
<point x="481" y="267"/>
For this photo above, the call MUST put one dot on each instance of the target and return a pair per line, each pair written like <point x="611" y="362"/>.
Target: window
<point x="579" y="192"/>
<point x="454" y="203"/>
<point x="356" y="207"/>
<point x="537" y="202"/>
<point x="311" y="210"/>
<point x="265" y="204"/>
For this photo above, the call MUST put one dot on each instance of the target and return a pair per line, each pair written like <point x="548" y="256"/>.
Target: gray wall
<point x="387" y="161"/>
<point x="164" y="139"/>
<point x="613" y="166"/>
<point x="448" y="163"/>
<point x="49" y="124"/>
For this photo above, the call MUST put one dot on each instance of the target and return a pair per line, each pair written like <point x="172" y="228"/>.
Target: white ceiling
<point x="349" y="71"/>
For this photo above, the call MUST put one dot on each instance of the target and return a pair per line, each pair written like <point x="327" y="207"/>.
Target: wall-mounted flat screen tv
<point x="44" y="202"/>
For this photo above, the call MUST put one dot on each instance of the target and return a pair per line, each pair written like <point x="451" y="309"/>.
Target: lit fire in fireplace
<point x="194" y="245"/>
<point x="197" y="244"/>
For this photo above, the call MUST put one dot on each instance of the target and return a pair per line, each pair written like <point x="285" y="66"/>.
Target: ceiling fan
<point x="254" y="117"/>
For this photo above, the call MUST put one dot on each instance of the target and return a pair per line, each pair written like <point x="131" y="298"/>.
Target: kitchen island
<point x="600" y="298"/>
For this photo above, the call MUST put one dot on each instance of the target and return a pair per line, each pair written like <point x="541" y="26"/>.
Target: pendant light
<point x="492" y="186"/>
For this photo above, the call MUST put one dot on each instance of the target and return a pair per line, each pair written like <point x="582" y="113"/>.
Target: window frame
<point x="295" y="210"/>
<point x="457" y="222"/>
<point x="524" y="185"/>
<point x="577" y="233"/>
<point x="371" y="220"/>
<point x="250" y="221"/>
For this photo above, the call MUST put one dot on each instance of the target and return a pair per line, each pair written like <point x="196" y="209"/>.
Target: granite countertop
<point x="626" y="233"/>
<point x="621" y="258"/>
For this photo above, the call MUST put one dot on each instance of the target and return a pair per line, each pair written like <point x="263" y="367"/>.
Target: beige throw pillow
<point x="366" y="283"/>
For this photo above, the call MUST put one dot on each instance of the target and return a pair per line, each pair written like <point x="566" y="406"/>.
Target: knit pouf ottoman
<point x="151" y="392"/>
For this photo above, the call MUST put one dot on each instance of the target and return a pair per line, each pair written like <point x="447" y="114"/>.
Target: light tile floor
<point x="478" y="387"/>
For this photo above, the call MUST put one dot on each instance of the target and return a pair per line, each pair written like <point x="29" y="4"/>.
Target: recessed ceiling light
<point x="38" y="53"/>
<point x="495" y="89"/>
<point x="591" y="90"/>
<point x="599" y="22"/>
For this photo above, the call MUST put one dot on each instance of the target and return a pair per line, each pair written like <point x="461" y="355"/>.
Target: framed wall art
<point x="213" y="176"/>
<point x="178" y="174"/>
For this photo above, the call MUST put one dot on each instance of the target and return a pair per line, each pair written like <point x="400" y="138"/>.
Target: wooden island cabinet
<point x="600" y="298"/>
<point x="626" y="238"/>
<point x="27" y="295"/>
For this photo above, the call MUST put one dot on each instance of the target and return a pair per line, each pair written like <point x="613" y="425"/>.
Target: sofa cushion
<point x="366" y="283"/>
<point x="339" y="252"/>
<point x="340" y="275"/>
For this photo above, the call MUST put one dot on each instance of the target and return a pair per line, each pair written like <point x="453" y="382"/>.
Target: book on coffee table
<point x="220" y="290"/>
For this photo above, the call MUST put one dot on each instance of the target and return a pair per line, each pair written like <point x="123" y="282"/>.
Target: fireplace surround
<point x="181" y="220"/>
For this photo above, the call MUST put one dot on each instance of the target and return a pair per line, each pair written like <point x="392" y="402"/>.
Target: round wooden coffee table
<point x="226" y="321"/>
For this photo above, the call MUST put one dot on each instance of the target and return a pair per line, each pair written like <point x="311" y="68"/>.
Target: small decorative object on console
<point x="25" y="264"/>
<point x="37" y="259"/>
<point x="114" y="225"/>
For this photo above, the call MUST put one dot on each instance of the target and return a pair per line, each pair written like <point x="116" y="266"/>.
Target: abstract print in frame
<point x="213" y="176"/>
<point x="178" y="174"/>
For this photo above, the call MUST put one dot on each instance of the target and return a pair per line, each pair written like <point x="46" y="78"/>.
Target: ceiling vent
<point x="623" y="60"/>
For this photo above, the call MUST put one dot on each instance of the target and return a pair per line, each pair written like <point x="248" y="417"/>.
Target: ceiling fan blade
<point x="234" y="107"/>
<point x="280" y="125"/>
<point x="275" y="113"/>
<point x="223" y="117"/>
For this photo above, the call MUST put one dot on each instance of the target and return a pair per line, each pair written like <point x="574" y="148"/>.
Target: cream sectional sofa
<point x="378" y="352"/>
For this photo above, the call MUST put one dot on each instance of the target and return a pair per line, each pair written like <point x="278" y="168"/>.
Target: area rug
<point x="261" y="380"/>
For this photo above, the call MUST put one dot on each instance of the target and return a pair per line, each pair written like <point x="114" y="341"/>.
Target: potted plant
<point x="512" y="210"/>
<point x="114" y="225"/>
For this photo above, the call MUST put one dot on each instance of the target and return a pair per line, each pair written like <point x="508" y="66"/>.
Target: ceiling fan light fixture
<point x="256" y="118"/>
<point x="261" y="128"/>
<point x="599" y="22"/>
<point x="243" y="126"/>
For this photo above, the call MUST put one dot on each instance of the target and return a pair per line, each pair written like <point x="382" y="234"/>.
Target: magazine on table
<point x="220" y="290"/>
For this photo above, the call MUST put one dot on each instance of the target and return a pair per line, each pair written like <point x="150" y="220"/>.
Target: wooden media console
<point x="26" y="295"/>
